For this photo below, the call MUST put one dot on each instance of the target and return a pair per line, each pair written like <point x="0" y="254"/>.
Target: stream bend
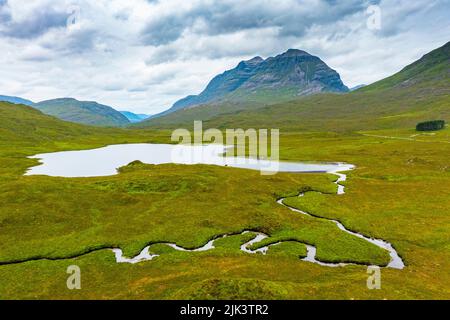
<point x="396" y="261"/>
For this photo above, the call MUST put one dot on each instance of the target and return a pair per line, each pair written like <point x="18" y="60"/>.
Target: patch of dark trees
<point x="431" y="125"/>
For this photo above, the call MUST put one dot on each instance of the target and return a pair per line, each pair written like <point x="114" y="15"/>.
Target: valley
<point x="394" y="212"/>
<point x="108" y="201"/>
<point x="145" y="255"/>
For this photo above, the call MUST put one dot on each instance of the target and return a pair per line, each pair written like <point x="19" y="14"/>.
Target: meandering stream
<point x="396" y="261"/>
<point x="105" y="161"/>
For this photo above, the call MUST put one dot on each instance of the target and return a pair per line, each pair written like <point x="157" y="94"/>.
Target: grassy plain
<point x="400" y="192"/>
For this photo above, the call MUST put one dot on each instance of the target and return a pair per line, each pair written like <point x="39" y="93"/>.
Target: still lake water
<point x="105" y="161"/>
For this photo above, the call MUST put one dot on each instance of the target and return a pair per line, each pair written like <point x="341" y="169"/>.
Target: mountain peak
<point x="290" y="74"/>
<point x="250" y="63"/>
<point x="295" y="53"/>
<point x="255" y="60"/>
<point x="62" y="99"/>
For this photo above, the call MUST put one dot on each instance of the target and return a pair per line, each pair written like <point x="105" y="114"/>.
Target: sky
<point x="143" y="55"/>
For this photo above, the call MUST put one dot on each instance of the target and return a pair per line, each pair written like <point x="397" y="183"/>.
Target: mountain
<point x="133" y="117"/>
<point x="16" y="100"/>
<point x="296" y="71"/>
<point x="84" y="112"/>
<point x="288" y="75"/>
<point x="419" y="92"/>
<point x="223" y="84"/>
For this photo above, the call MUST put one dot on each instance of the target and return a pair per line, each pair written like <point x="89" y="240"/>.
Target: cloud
<point x="144" y="55"/>
<point x="163" y="31"/>
<point x="36" y="54"/>
<point x="289" y="17"/>
<point x="246" y="42"/>
<point x="32" y="25"/>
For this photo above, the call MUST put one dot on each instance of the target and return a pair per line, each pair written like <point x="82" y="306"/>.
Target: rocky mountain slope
<point x="291" y="74"/>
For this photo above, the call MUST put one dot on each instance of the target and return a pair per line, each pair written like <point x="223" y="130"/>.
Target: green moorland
<point x="399" y="191"/>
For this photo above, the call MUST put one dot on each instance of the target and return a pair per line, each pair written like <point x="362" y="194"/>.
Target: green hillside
<point x="84" y="112"/>
<point x="25" y="131"/>
<point x="24" y="124"/>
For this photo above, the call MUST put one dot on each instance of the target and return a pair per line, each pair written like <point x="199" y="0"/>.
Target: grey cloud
<point x="113" y="87"/>
<point x="5" y="15"/>
<point x="36" y="57"/>
<point x="162" y="55"/>
<point x="164" y="31"/>
<point x="329" y="12"/>
<point x="412" y="13"/>
<point x="123" y="16"/>
<point x="185" y="47"/>
<point x="228" y="46"/>
<point x="160" y="77"/>
<point x="293" y="18"/>
<point x="137" y="89"/>
<point x="75" y="42"/>
<point x="37" y="24"/>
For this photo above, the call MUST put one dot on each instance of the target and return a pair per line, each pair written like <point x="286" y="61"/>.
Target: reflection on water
<point x="105" y="161"/>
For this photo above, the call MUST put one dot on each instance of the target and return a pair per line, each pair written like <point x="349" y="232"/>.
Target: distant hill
<point x="133" y="117"/>
<point x="286" y="76"/>
<point x="419" y="92"/>
<point x="16" y="100"/>
<point x="23" y="124"/>
<point x="26" y="131"/>
<point x="84" y="112"/>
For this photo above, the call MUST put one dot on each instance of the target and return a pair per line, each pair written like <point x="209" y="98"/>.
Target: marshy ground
<point x="399" y="192"/>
